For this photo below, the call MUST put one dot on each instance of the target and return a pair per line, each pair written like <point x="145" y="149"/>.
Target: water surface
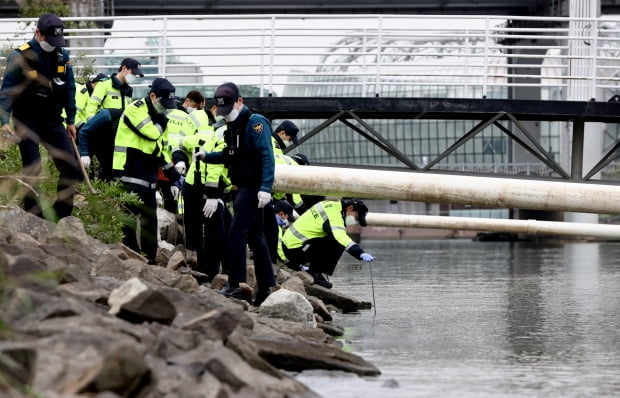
<point x="458" y="318"/>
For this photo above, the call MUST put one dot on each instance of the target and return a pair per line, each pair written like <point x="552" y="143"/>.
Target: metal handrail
<point x="367" y="54"/>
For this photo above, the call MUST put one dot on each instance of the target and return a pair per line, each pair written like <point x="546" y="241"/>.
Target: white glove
<point x="367" y="257"/>
<point x="200" y="155"/>
<point x="85" y="161"/>
<point x="210" y="207"/>
<point x="159" y="199"/>
<point x="174" y="190"/>
<point x="263" y="199"/>
<point x="180" y="167"/>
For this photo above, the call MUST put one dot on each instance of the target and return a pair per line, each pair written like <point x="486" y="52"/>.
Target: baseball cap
<point x="52" y="28"/>
<point x="301" y="159"/>
<point x="225" y="97"/>
<point x="358" y="206"/>
<point x="163" y="89"/>
<point x="132" y="65"/>
<point x="291" y="129"/>
<point x="283" y="206"/>
<point x="99" y="78"/>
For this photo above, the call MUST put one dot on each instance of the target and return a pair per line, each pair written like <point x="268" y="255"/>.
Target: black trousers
<point x="271" y="230"/>
<point x="207" y="236"/>
<point x="321" y="254"/>
<point x="247" y="227"/>
<point x="53" y="136"/>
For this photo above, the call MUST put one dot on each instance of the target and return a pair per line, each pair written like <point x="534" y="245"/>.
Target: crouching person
<point x="318" y="237"/>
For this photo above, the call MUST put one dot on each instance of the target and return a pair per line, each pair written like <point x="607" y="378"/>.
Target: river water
<point x="459" y="318"/>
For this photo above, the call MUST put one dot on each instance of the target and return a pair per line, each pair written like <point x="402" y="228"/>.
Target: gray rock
<point x="340" y="300"/>
<point x="136" y="302"/>
<point x="288" y="305"/>
<point x="194" y="343"/>
<point x="17" y="363"/>
<point x="176" y="261"/>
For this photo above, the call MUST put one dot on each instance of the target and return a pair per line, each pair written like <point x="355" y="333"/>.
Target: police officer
<point x="249" y="156"/>
<point x="103" y="110"/>
<point x="205" y="230"/>
<point x="272" y="229"/>
<point x="82" y="94"/>
<point x="38" y="83"/>
<point x="176" y="129"/>
<point x="284" y="216"/>
<point x="319" y="237"/>
<point x="138" y="155"/>
<point x="284" y="135"/>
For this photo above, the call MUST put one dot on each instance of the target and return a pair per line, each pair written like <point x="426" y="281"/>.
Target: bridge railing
<point x="332" y="55"/>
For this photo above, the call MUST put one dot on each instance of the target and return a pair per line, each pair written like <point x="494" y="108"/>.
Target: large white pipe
<point x="440" y="188"/>
<point x="532" y="227"/>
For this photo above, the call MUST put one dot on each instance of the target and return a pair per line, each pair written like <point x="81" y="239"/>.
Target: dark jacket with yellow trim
<point x="38" y="84"/>
<point x="249" y="153"/>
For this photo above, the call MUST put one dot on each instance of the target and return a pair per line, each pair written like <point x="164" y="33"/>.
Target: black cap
<point x="283" y="206"/>
<point x="301" y="159"/>
<point x="99" y="78"/>
<point x="132" y="65"/>
<point x="225" y="97"/>
<point x="163" y="89"/>
<point x="52" y="28"/>
<point x="291" y="129"/>
<point x="358" y="206"/>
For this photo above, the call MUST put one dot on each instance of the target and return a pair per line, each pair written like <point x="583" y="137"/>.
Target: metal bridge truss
<point x="487" y="111"/>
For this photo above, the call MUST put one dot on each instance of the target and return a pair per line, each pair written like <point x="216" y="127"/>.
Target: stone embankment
<point x="82" y="318"/>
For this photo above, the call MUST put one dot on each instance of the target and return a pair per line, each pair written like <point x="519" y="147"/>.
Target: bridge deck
<point x="436" y="108"/>
<point x="488" y="111"/>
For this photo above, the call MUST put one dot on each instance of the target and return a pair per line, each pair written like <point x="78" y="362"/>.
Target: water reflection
<point x="524" y="312"/>
<point x="483" y="319"/>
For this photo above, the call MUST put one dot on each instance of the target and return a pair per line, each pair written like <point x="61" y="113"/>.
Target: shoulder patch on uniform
<point x="23" y="47"/>
<point x="138" y="103"/>
<point x="258" y="128"/>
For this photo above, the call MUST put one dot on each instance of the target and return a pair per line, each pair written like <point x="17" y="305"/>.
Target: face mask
<point x="189" y="109"/>
<point x="281" y="222"/>
<point x="159" y="107"/>
<point x="130" y="78"/>
<point x="232" y="116"/>
<point x="287" y="143"/>
<point x="350" y="220"/>
<point x="46" y="46"/>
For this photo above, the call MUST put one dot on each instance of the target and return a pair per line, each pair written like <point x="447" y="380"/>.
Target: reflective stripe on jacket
<point x="322" y="219"/>
<point x="107" y="95"/>
<point x="138" y="146"/>
<point x="209" y="172"/>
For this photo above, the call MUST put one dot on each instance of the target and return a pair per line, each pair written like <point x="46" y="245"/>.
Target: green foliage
<point x="35" y="8"/>
<point x="103" y="214"/>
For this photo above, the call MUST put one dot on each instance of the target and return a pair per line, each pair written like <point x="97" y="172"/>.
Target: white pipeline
<point x="532" y="227"/>
<point x="440" y="188"/>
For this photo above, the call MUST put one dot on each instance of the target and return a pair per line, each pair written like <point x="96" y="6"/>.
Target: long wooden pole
<point x="440" y="188"/>
<point x="530" y="227"/>
<point x="81" y="166"/>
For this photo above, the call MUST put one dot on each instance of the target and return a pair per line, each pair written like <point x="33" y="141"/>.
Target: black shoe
<point x="229" y="291"/>
<point x="201" y="278"/>
<point x="319" y="279"/>
<point x="260" y="297"/>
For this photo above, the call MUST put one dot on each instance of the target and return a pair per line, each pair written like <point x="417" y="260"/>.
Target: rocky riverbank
<point x="82" y="318"/>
